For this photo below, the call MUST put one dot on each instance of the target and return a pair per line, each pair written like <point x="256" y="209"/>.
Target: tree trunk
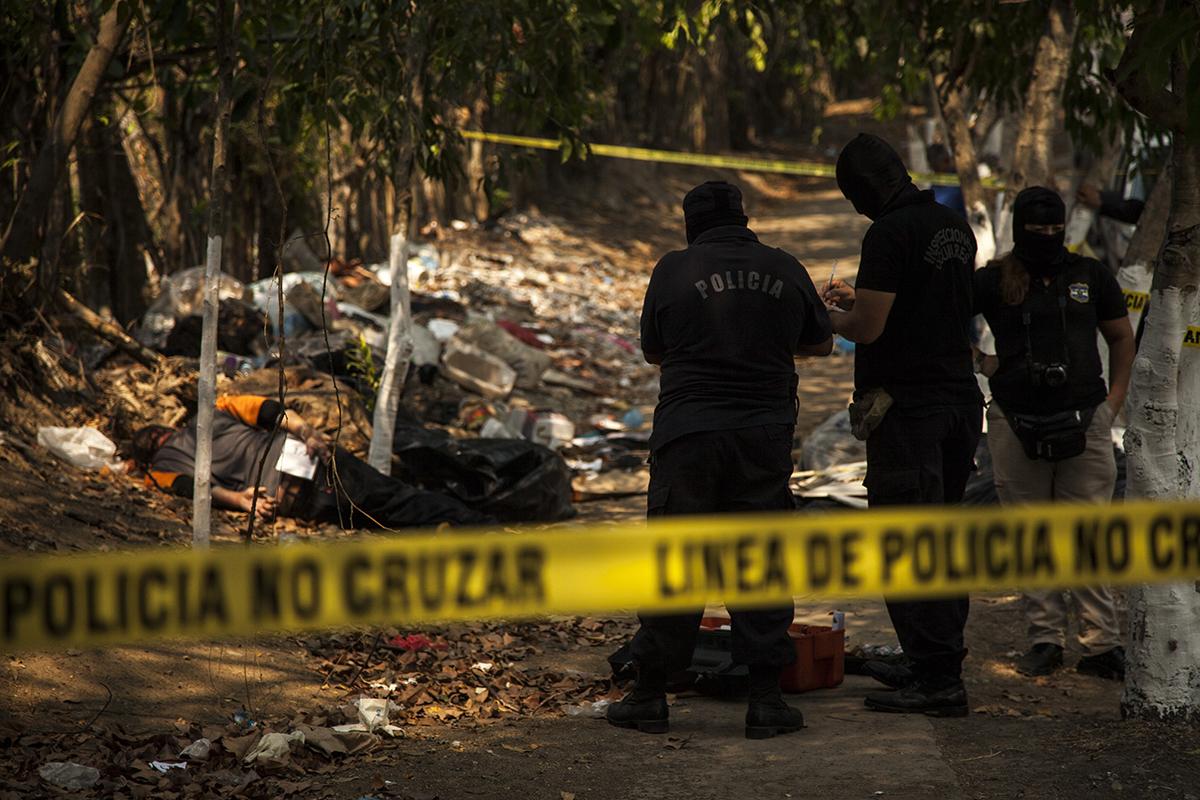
<point x="1137" y="267"/>
<point x="714" y="90"/>
<point x="1162" y="441"/>
<point x="1163" y="447"/>
<point x="477" y="196"/>
<point x="117" y="231"/>
<point x="183" y="181"/>
<point x="21" y="240"/>
<point x="207" y="385"/>
<point x="1031" y="165"/>
<point x="952" y="103"/>
<point x="399" y="353"/>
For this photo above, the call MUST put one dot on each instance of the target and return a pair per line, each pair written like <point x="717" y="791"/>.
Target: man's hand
<point x="265" y="508"/>
<point x="315" y="443"/>
<point x="243" y="500"/>
<point x="1089" y="195"/>
<point x="838" y="294"/>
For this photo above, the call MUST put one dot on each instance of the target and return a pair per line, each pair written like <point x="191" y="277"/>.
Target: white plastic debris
<point x="198" y="750"/>
<point x="426" y="347"/>
<point x="166" y="766"/>
<point x="387" y="687"/>
<point x="483" y="666"/>
<point x="87" y="448"/>
<point x="477" y="371"/>
<point x="442" y="329"/>
<point x="274" y="747"/>
<point x="495" y="429"/>
<point x="69" y="775"/>
<point x="374" y="715"/>
<point x="595" y="709"/>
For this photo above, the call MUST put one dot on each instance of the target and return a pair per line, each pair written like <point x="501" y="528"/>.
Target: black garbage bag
<point x="240" y="331"/>
<point x="511" y="479"/>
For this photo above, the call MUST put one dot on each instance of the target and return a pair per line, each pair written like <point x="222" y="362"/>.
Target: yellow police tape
<point x="809" y="168"/>
<point x="1136" y="301"/>
<point x="99" y="599"/>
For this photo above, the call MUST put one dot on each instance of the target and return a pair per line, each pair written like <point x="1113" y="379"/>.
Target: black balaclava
<point x="871" y="174"/>
<point x="1041" y="253"/>
<point x="711" y="205"/>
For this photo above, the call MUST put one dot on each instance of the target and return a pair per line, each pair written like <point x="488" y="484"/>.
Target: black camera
<point x="1052" y="375"/>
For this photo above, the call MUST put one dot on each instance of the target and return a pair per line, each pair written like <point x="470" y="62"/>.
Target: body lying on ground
<point x="248" y="437"/>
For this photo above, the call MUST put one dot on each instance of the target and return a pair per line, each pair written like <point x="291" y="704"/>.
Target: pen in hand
<point x="831" y="305"/>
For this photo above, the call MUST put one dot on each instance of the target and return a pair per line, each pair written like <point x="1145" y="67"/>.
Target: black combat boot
<point x="1042" y="659"/>
<point x="893" y="676"/>
<point x="645" y="708"/>
<point x="941" y="697"/>
<point x="767" y="714"/>
<point x="1109" y="664"/>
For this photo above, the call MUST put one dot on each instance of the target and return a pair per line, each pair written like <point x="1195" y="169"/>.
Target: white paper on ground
<point x="295" y="460"/>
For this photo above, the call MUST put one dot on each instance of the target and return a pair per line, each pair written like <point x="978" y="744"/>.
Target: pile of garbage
<point x="511" y="340"/>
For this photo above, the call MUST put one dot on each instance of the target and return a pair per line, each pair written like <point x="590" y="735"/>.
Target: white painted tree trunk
<point x="1162" y="443"/>
<point x="985" y="238"/>
<point x="1079" y="222"/>
<point x="399" y="353"/>
<point x="206" y="397"/>
<point x="206" y="389"/>
<point x="918" y="159"/>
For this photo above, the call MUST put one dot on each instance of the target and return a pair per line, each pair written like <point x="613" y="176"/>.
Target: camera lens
<point x="1055" y="375"/>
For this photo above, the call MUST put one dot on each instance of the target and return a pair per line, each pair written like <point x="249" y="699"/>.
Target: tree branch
<point x="109" y="331"/>
<point x="1158" y="103"/>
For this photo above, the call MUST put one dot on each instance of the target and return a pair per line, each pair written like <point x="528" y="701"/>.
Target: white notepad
<point x="295" y="460"/>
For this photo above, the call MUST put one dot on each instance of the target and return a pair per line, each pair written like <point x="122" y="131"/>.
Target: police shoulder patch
<point x="1078" y="292"/>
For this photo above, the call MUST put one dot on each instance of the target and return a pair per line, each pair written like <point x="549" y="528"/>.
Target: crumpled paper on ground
<point x="198" y="750"/>
<point x="69" y="775"/>
<point x="274" y="747"/>
<point x="374" y="716"/>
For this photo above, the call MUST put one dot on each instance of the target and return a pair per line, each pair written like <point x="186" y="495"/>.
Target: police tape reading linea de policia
<point x="269" y="589"/>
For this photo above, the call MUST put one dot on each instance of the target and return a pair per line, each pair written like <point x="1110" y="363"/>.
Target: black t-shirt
<point x="726" y="316"/>
<point x="924" y="253"/>
<point x="1090" y="295"/>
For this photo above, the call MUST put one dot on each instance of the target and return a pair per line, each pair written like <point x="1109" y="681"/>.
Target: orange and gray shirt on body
<point x="242" y="429"/>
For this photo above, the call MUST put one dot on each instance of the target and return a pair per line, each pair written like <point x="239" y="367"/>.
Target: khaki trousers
<point x="1088" y="478"/>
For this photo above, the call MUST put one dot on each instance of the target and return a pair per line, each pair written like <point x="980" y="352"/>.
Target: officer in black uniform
<point x="916" y="400"/>
<point x="1050" y="420"/>
<point x="724" y="319"/>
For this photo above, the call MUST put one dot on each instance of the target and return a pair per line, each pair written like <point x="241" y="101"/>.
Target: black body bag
<point x="1052" y="437"/>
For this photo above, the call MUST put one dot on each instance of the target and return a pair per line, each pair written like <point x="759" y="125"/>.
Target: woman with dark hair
<point x="1050" y="420"/>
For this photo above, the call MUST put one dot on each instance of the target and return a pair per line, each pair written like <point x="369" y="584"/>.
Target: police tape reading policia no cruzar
<point x="135" y="595"/>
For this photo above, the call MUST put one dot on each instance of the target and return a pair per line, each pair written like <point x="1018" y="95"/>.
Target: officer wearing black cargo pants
<point x="916" y="401"/>
<point x="724" y="319"/>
